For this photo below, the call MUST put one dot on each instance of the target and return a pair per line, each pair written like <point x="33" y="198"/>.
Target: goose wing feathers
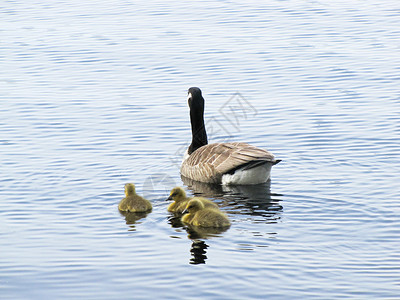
<point x="210" y="162"/>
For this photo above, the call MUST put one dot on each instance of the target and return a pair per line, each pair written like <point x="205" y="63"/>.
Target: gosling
<point x="198" y="215"/>
<point x="181" y="200"/>
<point x="133" y="202"/>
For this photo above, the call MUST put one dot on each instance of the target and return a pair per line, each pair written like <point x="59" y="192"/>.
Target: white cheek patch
<point x="189" y="96"/>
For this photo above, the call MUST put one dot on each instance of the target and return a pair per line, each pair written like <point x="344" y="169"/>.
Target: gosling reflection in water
<point x="132" y="217"/>
<point x="175" y="220"/>
<point x="198" y="251"/>
<point x="197" y="235"/>
<point x="197" y="232"/>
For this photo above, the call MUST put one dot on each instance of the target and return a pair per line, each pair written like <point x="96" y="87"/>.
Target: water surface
<point x="93" y="95"/>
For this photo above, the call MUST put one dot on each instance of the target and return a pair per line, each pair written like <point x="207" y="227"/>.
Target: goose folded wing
<point x="213" y="160"/>
<point x="242" y="154"/>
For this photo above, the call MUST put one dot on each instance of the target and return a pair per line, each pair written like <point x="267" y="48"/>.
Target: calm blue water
<point x="93" y="95"/>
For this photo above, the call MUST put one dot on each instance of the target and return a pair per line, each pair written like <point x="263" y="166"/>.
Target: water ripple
<point x="94" y="96"/>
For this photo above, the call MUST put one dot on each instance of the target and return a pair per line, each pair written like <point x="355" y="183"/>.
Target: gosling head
<point x="177" y="194"/>
<point x="129" y="189"/>
<point x="193" y="206"/>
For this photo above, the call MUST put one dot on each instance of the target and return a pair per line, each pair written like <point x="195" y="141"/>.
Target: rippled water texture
<point x="93" y="95"/>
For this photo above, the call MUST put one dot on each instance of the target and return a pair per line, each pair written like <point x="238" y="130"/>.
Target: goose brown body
<point x="210" y="162"/>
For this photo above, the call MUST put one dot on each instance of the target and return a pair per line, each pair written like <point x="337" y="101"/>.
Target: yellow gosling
<point x="198" y="215"/>
<point x="181" y="200"/>
<point x="133" y="202"/>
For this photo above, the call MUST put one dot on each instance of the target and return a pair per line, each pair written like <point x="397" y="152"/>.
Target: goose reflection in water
<point x="132" y="217"/>
<point x="255" y="200"/>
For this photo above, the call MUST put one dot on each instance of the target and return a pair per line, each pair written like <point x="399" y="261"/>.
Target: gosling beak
<point x="185" y="211"/>
<point x="169" y="198"/>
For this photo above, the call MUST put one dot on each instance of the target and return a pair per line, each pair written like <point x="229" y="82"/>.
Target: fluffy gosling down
<point x="133" y="202"/>
<point x="181" y="200"/>
<point x="198" y="215"/>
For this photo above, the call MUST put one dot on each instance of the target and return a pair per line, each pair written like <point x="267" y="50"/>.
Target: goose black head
<point x="195" y="99"/>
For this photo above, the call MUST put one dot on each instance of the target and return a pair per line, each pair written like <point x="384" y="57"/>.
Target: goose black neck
<point x="199" y="135"/>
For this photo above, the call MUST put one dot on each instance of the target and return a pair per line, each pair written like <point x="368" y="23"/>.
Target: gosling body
<point x="181" y="200"/>
<point x="197" y="214"/>
<point x="133" y="202"/>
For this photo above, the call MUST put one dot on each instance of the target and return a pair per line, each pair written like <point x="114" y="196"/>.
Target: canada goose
<point x="226" y="163"/>
<point x="198" y="215"/>
<point x="181" y="200"/>
<point x="133" y="202"/>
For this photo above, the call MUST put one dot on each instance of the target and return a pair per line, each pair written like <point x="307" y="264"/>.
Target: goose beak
<point x="169" y="198"/>
<point x="185" y="211"/>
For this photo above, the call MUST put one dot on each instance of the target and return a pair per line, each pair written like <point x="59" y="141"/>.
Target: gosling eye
<point x="174" y="194"/>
